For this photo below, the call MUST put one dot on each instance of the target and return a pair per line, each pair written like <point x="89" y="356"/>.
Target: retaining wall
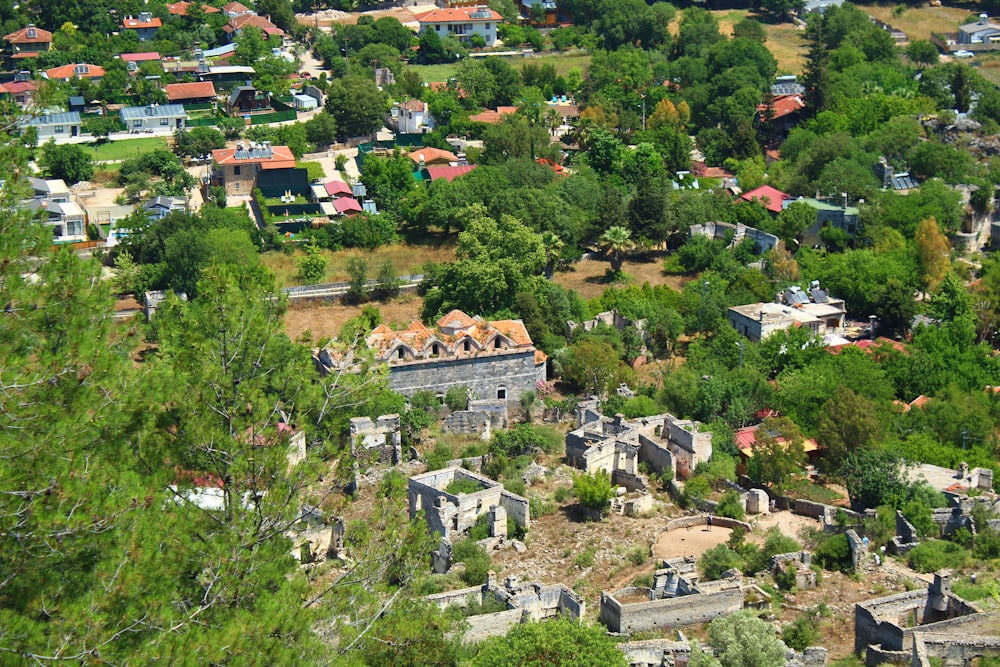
<point x="702" y="520"/>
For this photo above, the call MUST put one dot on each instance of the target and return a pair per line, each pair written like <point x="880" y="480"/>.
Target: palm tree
<point x="553" y="248"/>
<point x="616" y="242"/>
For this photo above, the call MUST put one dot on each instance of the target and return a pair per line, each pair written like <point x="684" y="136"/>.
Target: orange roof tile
<point x="181" y="8"/>
<point x="414" y="105"/>
<point x="21" y="36"/>
<point x="189" y="91"/>
<point x="281" y="158"/>
<point x="242" y="21"/>
<point x="69" y="72"/>
<point x="136" y="24"/>
<point x="513" y="329"/>
<point x="456" y="319"/>
<point x="459" y="15"/>
<point x="429" y="154"/>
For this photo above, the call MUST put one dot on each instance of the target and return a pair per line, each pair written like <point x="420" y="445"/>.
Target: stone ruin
<point x="450" y="515"/>
<point x="887" y="628"/>
<point x="480" y="417"/>
<point x="677" y="599"/>
<point x="796" y="564"/>
<point x="617" y="445"/>
<point x="905" y="539"/>
<point x="524" y="602"/>
<point x="377" y="441"/>
<point x="677" y="653"/>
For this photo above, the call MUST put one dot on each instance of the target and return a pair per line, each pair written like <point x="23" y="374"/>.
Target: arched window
<point x="501" y="393"/>
<point x="466" y="345"/>
<point x="401" y="352"/>
<point x="497" y="343"/>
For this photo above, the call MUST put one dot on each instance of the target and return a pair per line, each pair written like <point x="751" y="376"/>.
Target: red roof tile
<point x="784" y="105"/>
<point x="347" y="205"/>
<point x="181" y="8"/>
<point x="770" y="197"/>
<point x="334" y="188"/>
<point x="136" y="24"/>
<point x="259" y="22"/>
<point x="190" y="91"/>
<point x="69" y="72"/>
<point x="458" y="15"/>
<point x="429" y="155"/>
<point x="281" y="158"/>
<point x="140" y="57"/>
<point x="456" y="319"/>
<point x="449" y="173"/>
<point x="21" y="36"/>
<point x="414" y="105"/>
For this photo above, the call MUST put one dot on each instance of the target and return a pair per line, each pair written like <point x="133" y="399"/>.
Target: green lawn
<point x="127" y="148"/>
<point x="562" y="62"/>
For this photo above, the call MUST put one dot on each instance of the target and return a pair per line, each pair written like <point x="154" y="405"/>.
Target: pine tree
<point x="817" y="77"/>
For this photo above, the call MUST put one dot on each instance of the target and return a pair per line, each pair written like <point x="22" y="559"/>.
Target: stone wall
<point x="668" y="612"/>
<point x="702" y="520"/>
<point x="447" y="514"/>
<point x="655" y="453"/>
<point x="513" y="371"/>
<point x="468" y="421"/>
<point x="379" y="441"/>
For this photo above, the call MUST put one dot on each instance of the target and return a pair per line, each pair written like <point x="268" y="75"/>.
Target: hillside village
<point x="565" y="332"/>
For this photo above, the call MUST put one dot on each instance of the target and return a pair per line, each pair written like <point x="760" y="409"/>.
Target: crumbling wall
<point x="518" y="508"/>
<point x="379" y="441"/>
<point x="447" y="514"/>
<point x="468" y="421"/>
<point x="668" y="612"/>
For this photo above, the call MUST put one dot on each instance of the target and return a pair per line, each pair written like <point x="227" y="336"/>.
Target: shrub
<point x="480" y="530"/>
<point x="586" y="558"/>
<point x="638" y="555"/>
<point x="935" y="555"/>
<point x="785" y="579"/>
<point x="834" y="553"/>
<point x="439" y="456"/>
<point x="562" y="494"/>
<point x="541" y="507"/>
<point x="717" y="560"/>
<point x="730" y="505"/>
<point x="593" y="491"/>
<point x="426" y="401"/>
<point x="697" y="488"/>
<point x="477" y="561"/>
<point x="801" y="633"/>
<point x="515" y="486"/>
<point x="457" y="397"/>
<point x="463" y="485"/>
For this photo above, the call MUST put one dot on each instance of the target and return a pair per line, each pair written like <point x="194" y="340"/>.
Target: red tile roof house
<point x="463" y="22"/>
<point x="78" y="71"/>
<point x="746" y="442"/>
<point x="428" y="156"/>
<point x="181" y="8"/>
<point x="494" y="359"/>
<point x="492" y="117"/>
<point x="145" y="26"/>
<point x="22" y="92"/>
<point x="236" y="169"/>
<point x="199" y="92"/>
<point x="771" y="198"/>
<point x="236" y="24"/>
<point x="28" y="42"/>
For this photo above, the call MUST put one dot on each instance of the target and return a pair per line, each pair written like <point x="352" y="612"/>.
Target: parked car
<point x="962" y="53"/>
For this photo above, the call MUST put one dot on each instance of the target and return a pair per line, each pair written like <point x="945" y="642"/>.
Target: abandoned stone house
<point x="450" y="514"/>
<point x="524" y="602"/>
<point x="492" y="359"/>
<point x="924" y="624"/>
<point x="377" y="441"/>
<point x="617" y="445"/>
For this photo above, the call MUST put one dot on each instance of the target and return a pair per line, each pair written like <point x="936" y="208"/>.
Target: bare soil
<point x="323" y="320"/>
<point x="587" y="276"/>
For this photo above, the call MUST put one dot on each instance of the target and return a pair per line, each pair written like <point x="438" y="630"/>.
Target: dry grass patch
<point x="920" y="22"/>
<point x="407" y="259"/>
<point x="785" y="40"/>
<point x="321" y="320"/>
<point x="587" y="277"/>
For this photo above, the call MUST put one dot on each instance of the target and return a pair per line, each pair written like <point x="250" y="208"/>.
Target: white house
<point x="982" y="31"/>
<point x="154" y="117"/>
<point x="56" y="125"/>
<point x="463" y="22"/>
<point x="66" y="219"/>
<point x="412" y="117"/>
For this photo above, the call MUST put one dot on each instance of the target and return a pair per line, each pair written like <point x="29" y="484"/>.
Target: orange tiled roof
<point x="281" y="158"/>
<point x="181" y="8"/>
<point x="242" y="21"/>
<point x="456" y="319"/>
<point x="235" y="8"/>
<point x="21" y="36"/>
<point x="429" y="154"/>
<point x="413" y="105"/>
<point x="136" y="24"/>
<point x="188" y="91"/>
<point x="418" y="337"/>
<point x="69" y="72"/>
<point x="458" y="15"/>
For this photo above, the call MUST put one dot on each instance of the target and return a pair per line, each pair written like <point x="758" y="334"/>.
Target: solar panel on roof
<point x="819" y="296"/>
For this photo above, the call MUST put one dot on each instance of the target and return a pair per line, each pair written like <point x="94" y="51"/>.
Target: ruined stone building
<point x="524" y="602"/>
<point x="377" y="441"/>
<point x="493" y="359"/>
<point x="933" y="622"/>
<point x="452" y="513"/>
<point x="617" y="445"/>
